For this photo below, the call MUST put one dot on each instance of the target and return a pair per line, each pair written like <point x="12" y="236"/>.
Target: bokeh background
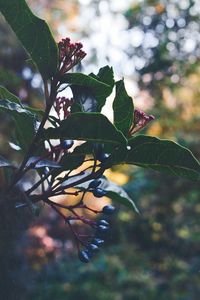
<point x="155" y="46"/>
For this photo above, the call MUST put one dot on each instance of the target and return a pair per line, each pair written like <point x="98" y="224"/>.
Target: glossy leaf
<point x="123" y="108"/>
<point x="24" y="120"/>
<point x="94" y="87"/>
<point x="34" y="35"/>
<point x="5" y="94"/>
<point x="4" y="162"/>
<point x="163" y="156"/>
<point x="93" y="127"/>
<point x="36" y="162"/>
<point x="114" y="192"/>
<point x="122" y="198"/>
<point x="117" y="193"/>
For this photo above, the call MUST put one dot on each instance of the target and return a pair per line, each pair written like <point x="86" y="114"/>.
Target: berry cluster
<point x="101" y="226"/>
<point x="141" y="119"/>
<point x="101" y="229"/>
<point x="70" y="54"/>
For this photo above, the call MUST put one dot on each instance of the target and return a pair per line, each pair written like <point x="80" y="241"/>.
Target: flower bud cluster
<point x="70" y="54"/>
<point x="141" y="119"/>
<point x="63" y="105"/>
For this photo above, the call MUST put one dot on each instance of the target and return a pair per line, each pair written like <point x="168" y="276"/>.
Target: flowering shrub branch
<point x="61" y="166"/>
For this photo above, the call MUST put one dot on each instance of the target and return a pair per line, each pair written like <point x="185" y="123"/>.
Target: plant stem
<point x="49" y="102"/>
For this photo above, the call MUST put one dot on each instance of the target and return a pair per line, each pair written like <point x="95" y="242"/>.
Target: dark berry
<point x="99" y="193"/>
<point x="98" y="242"/>
<point x="67" y="144"/>
<point x="84" y="256"/>
<point x="93" y="248"/>
<point x="103" y="222"/>
<point x="108" y="210"/>
<point x="99" y="152"/>
<point x="46" y="170"/>
<point x="94" y="183"/>
<point x="102" y="229"/>
<point x="102" y="157"/>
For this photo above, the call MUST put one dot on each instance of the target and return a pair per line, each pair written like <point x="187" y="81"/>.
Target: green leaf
<point x="5" y="94"/>
<point x="24" y="120"/>
<point x="4" y="162"/>
<point x="35" y="162"/>
<point x="163" y="156"/>
<point x="123" y="108"/>
<point x="123" y="199"/>
<point x="105" y="75"/>
<point x="91" y="86"/>
<point x="93" y="127"/>
<point x="34" y="35"/>
<point x="114" y="192"/>
<point x="117" y="193"/>
<point x="72" y="161"/>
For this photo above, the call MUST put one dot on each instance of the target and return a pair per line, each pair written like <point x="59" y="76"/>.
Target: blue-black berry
<point x="98" y="242"/>
<point x="99" y="152"/>
<point x="84" y="256"/>
<point x="108" y="210"/>
<point x="103" y="222"/>
<point x="93" y="248"/>
<point x="99" y="192"/>
<point x="102" y="229"/>
<point x="94" y="183"/>
<point x="67" y="144"/>
<point x="102" y="157"/>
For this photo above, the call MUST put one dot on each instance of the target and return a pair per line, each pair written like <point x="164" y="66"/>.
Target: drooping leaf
<point x="24" y="120"/>
<point x="5" y="163"/>
<point x="114" y="192"/>
<point x="163" y="156"/>
<point x="93" y="127"/>
<point x="123" y="108"/>
<point x="91" y="88"/>
<point x="122" y="198"/>
<point x="117" y="193"/>
<point x="36" y="162"/>
<point x="5" y="94"/>
<point x="34" y="35"/>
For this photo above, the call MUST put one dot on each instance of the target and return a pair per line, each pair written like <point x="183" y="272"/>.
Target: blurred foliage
<point x="154" y="255"/>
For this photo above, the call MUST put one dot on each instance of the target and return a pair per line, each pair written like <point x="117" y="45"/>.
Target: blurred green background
<point x="155" y="46"/>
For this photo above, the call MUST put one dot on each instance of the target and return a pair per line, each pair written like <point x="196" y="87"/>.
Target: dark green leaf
<point x="72" y="161"/>
<point x="123" y="108"/>
<point x="163" y="156"/>
<point x="117" y="193"/>
<point x="34" y="35"/>
<point x="4" y="162"/>
<point x="76" y="107"/>
<point x="105" y="75"/>
<point x="5" y="94"/>
<point x="114" y="192"/>
<point x="123" y="199"/>
<point x="36" y="162"/>
<point x="94" y="87"/>
<point x="93" y="127"/>
<point x="24" y="120"/>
